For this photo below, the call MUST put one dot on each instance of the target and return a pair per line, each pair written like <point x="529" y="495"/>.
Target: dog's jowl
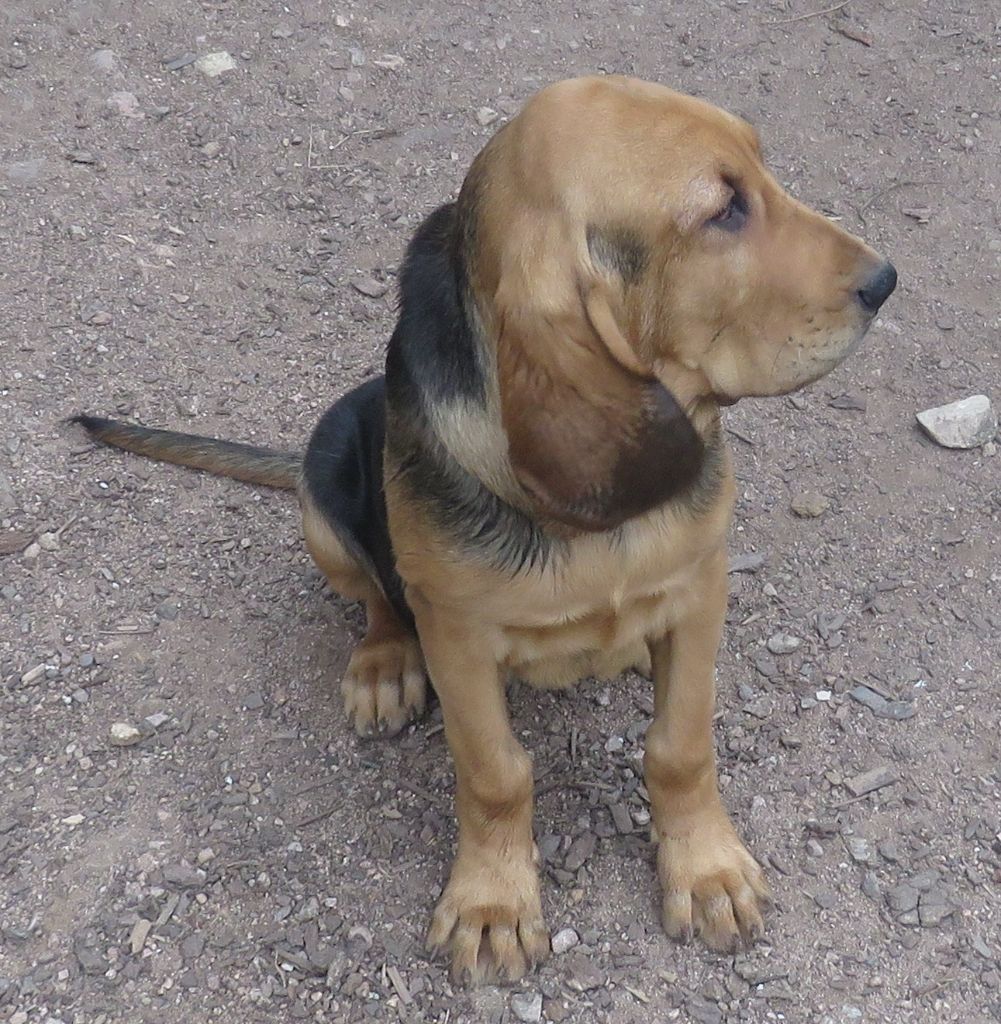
<point x="539" y="486"/>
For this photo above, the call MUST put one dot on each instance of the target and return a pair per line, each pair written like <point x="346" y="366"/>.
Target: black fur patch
<point x="441" y="354"/>
<point x="434" y="357"/>
<point x="664" y="461"/>
<point x="342" y="471"/>
<point x="481" y="523"/>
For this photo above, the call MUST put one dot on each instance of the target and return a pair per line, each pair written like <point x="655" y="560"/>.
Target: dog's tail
<point x="245" y="462"/>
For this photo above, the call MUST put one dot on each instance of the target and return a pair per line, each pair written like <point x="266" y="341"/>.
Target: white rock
<point x="73" y="819"/>
<point x="565" y="940"/>
<point x="527" y="1006"/>
<point x="32" y="676"/>
<point x="968" y="423"/>
<point x="125" y="103"/>
<point x="858" y="849"/>
<point x="124" y="735"/>
<point x="213" y="64"/>
<point x="140" y="933"/>
<point x="486" y="115"/>
<point x="104" y="60"/>
<point x="783" y="643"/>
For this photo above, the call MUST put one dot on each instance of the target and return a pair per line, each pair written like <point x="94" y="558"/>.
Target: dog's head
<point x="636" y="265"/>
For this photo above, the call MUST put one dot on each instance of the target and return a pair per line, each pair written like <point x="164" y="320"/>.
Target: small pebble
<point x="181" y="61"/>
<point x="124" y="735"/>
<point x="870" y="885"/>
<point x="125" y="103"/>
<point x="139" y="935"/>
<point x="565" y="940"/>
<point x="858" y="849"/>
<point x="527" y="1006"/>
<point x="870" y="781"/>
<point x="750" y="562"/>
<point x="889" y="850"/>
<point x="33" y="675"/>
<point x="783" y="643"/>
<point x="580" y="850"/>
<point x="967" y="423"/>
<point x="809" y="505"/>
<point x="369" y="287"/>
<point x="214" y="64"/>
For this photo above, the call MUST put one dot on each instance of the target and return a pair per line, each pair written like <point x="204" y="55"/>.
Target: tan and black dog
<point x="539" y="486"/>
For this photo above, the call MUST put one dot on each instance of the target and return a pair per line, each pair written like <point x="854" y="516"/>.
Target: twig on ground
<point x="885" y="192"/>
<point x="812" y="14"/>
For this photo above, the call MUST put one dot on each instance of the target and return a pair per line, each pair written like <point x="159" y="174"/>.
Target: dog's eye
<point x="733" y="216"/>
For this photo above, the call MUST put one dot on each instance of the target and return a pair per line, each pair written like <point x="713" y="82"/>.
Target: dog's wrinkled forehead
<point x="609" y="145"/>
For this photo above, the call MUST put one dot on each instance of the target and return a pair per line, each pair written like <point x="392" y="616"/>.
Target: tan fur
<point x="384" y="687"/>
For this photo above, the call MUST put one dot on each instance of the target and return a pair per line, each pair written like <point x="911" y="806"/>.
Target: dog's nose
<point x="879" y="287"/>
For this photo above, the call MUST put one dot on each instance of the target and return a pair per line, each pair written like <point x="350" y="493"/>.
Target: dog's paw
<point x="489" y="921"/>
<point x="712" y="886"/>
<point x="385" y="686"/>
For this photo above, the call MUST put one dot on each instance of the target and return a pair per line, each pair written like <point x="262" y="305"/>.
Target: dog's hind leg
<point x="384" y="686"/>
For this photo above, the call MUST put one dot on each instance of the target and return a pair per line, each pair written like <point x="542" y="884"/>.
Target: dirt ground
<point x="219" y="254"/>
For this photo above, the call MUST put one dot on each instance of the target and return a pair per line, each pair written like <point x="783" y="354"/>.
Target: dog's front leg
<point x="711" y="884"/>
<point x="489" y="917"/>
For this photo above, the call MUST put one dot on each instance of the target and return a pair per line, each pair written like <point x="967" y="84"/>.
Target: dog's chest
<point x="596" y="617"/>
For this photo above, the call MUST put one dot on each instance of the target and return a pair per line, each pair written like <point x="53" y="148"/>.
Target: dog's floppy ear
<point x="592" y="436"/>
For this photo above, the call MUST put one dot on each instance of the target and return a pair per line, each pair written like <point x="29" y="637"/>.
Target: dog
<point x="539" y="485"/>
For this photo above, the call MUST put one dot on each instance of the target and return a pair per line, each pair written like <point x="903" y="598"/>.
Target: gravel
<point x="246" y="858"/>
